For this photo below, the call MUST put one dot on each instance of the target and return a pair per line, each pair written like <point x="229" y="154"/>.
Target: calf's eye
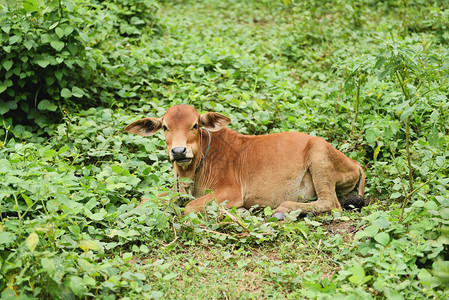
<point x="195" y="126"/>
<point x="164" y="128"/>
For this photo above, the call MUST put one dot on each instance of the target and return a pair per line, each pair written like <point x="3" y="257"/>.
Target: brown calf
<point x="281" y="170"/>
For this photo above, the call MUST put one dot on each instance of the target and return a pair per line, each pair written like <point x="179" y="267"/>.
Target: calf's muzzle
<point x="179" y="154"/>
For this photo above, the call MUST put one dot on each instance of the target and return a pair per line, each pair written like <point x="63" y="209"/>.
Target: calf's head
<point x="181" y="125"/>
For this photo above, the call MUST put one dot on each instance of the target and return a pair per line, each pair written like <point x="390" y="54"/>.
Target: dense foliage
<point x="372" y="77"/>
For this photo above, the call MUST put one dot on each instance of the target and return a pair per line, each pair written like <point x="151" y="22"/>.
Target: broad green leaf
<point x="28" y="44"/>
<point x="59" y="32"/>
<point x="46" y="105"/>
<point x="75" y="229"/>
<point x="66" y="93"/>
<point x="14" y="39"/>
<point x="5" y="165"/>
<point x="369" y="231"/>
<point x="144" y="249"/>
<point x="63" y="149"/>
<point x="382" y="238"/>
<point x="57" y="45"/>
<point x="30" y="5"/>
<point x="3" y="88"/>
<point x="7" y="64"/>
<point x="117" y="169"/>
<point x="371" y="134"/>
<point x="434" y="116"/>
<point x="86" y="266"/>
<point x="418" y="203"/>
<point x="407" y="113"/>
<point x="50" y="153"/>
<point x="68" y="30"/>
<point x="170" y="276"/>
<point x="77" y="92"/>
<point x="28" y="200"/>
<point x="395" y="195"/>
<point x="43" y="105"/>
<point x="358" y="274"/>
<point x="433" y="137"/>
<point x="49" y="266"/>
<point x="425" y="277"/>
<point x="127" y="256"/>
<point x="77" y="286"/>
<point x="6" y="238"/>
<point x="89" y="245"/>
<point x="32" y="241"/>
<point x="58" y="74"/>
<point x="42" y="62"/>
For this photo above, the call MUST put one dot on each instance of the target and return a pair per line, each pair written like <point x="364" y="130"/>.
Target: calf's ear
<point x="145" y="126"/>
<point x="214" y="121"/>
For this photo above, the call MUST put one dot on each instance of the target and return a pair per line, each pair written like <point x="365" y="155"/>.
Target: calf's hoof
<point x="279" y="215"/>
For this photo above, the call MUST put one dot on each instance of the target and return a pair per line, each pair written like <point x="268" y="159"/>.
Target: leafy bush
<point x="44" y="65"/>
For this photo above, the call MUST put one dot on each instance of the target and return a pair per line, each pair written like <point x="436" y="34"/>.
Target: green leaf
<point x="371" y="134"/>
<point x="59" y="32"/>
<point x="66" y="93"/>
<point x="28" y="200"/>
<point x="63" y="149"/>
<point x="407" y="113"/>
<point x="382" y="238"/>
<point x="57" y="45"/>
<point x="6" y="28"/>
<point x="358" y="274"/>
<point x="77" y="286"/>
<point x="170" y="276"/>
<point x="434" y="116"/>
<point x="89" y="245"/>
<point x="46" y="105"/>
<point x="50" y="153"/>
<point x="369" y="231"/>
<point x="49" y="266"/>
<point x="6" y="238"/>
<point x="28" y="45"/>
<point x="395" y="195"/>
<point x="77" y="92"/>
<point x="75" y="229"/>
<point x="117" y="169"/>
<point x="127" y="256"/>
<point x="3" y="88"/>
<point x="7" y="64"/>
<point x="58" y="74"/>
<point x="42" y="62"/>
<point x="433" y="137"/>
<point x="32" y="241"/>
<point x="5" y="165"/>
<point x="53" y="25"/>
<point x="30" y="5"/>
<point x="68" y="30"/>
<point x="14" y="39"/>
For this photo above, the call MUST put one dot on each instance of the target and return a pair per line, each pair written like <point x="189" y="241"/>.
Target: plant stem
<point x="409" y="156"/>
<point x="407" y="134"/>
<point x="61" y="11"/>
<point x="357" y="100"/>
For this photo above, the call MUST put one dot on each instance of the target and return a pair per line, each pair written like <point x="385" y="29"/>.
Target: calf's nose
<point x="178" y="153"/>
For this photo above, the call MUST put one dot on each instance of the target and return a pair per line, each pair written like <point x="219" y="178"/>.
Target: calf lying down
<point x="281" y="170"/>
